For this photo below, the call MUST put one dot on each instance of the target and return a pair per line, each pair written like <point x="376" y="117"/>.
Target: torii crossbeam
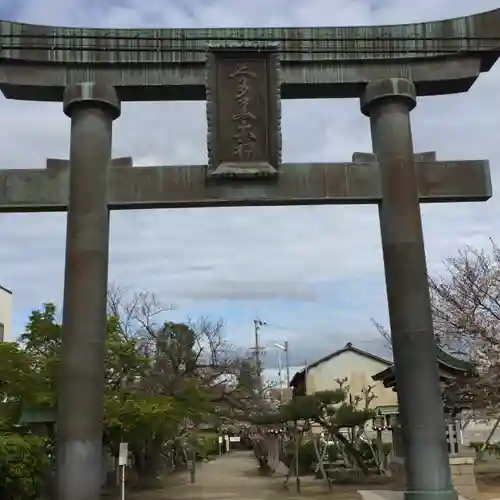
<point x="358" y="182"/>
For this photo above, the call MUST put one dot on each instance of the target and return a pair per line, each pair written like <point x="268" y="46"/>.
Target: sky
<point x="314" y="274"/>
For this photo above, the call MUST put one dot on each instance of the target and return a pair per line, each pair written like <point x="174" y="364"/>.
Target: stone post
<point x="388" y="103"/>
<point x="92" y="108"/>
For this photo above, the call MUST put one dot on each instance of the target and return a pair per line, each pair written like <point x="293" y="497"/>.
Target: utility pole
<point x="287" y="364"/>
<point x="280" y="376"/>
<point x="284" y="348"/>
<point x="258" y="324"/>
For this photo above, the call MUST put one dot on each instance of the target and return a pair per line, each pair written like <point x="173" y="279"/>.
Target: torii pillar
<point x="388" y="103"/>
<point x="92" y="108"/>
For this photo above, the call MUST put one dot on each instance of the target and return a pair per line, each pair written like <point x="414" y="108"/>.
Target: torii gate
<point x="243" y="74"/>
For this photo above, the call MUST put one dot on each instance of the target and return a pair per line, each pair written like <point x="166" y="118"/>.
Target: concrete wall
<point x="6" y="314"/>
<point x="358" y="369"/>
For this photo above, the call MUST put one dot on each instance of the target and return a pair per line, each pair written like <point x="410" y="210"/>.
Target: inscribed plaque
<point x="243" y="113"/>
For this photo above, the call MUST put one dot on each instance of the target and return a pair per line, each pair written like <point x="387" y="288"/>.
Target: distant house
<point x="5" y="315"/>
<point x="351" y="363"/>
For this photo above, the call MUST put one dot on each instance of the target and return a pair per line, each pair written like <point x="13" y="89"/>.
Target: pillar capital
<point x="388" y="89"/>
<point x="91" y="94"/>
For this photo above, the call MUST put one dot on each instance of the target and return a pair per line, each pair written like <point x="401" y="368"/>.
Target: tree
<point x="191" y="364"/>
<point x="30" y="379"/>
<point x="465" y="301"/>
<point x="16" y="382"/>
<point x="162" y="379"/>
<point x="331" y="410"/>
<point x="23" y="467"/>
<point x="466" y="311"/>
<point x="175" y="373"/>
<point x="361" y="401"/>
<point x="195" y="350"/>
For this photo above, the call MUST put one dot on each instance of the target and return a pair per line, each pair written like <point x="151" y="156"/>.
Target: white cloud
<point x="250" y="254"/>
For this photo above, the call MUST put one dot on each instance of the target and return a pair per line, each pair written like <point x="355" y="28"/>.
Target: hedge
<point x="24" y="463"/>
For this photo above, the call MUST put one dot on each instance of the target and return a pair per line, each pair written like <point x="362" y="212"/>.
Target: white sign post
<point x="122" y="464"/>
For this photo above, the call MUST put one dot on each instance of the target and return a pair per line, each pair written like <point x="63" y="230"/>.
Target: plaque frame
<point x="218" y="167"/>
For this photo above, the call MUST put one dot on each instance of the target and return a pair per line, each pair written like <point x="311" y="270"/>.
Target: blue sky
<point x="315" y="274"/>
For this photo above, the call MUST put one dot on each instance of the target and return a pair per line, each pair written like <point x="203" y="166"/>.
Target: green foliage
<point x="492" y="448"/>
<point x="302" y="408"/>
<point x="132" y="408"/>
<point x="330" y="397"/>
<point x="41" y="341"/>
<point x="478" y="445"/>
<point x="136" y="418"/>
<point x="346" y="415"/>
<point x="16" y="381"/>
<point x="333" y="410"/>
<point x="138" y="403"/>
<point x="207" y="445"/>
<point x="247" y="378"/>
<point x="28" y="370"/>
<point x="327" y="408"/>
<point x="366" y="451"/>
<point x="148" y="398"/>
<point x="23" y="464"/>
<point x="307" y="456"/>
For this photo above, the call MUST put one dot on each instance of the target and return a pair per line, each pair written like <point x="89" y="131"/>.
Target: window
<point x="2" y="328"/>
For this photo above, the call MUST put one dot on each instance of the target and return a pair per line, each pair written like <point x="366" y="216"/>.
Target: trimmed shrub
<point x="366" y="451"/>
<point x="24" y="463"/>
<point x="307" y="456"/>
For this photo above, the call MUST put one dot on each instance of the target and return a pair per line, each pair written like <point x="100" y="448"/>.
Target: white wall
<point x="358" y="369"/>
<point x="6" y="313"/>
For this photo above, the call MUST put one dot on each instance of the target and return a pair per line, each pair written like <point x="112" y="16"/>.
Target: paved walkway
<point x="236" y="476"/>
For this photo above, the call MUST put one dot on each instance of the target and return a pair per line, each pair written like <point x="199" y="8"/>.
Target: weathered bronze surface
<point x="92" y="108"/>
<point x="243" y="113"/>
<point x="440" y="57"/>
<point x="243" y="82"/>
<point x="183" y="186"/>
<point x="388" y="104"/>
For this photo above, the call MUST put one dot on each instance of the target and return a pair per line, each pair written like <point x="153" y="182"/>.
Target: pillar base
<point x="431" y="495"/>
<point x="409" y="495"/>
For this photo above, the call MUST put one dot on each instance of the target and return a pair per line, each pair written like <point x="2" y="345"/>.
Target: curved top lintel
<point x="477" y="34"/>
<point x="491" y="15"/>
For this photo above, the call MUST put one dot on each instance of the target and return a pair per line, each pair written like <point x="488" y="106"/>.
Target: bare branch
<point x="465" y="300"/>
<point x="386" y="335"/>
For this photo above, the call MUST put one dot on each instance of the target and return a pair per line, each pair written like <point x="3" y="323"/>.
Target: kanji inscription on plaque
<point x="243" y="113"/>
